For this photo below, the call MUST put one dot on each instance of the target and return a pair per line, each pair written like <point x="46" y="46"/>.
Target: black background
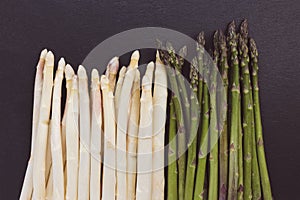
<point x="72" y="28"/>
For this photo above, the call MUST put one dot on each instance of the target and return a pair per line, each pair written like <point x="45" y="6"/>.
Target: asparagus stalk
<point x="172" y="165"/>
<point x="39" y="165"/>
<point x="203" y="147"/>
<point x="160" y="95"/>
<point x="122" y="124"/>
<point x="133" y="128"/>
<point x="224" y="132"/>
<point x="85" y="135"/>
<point x="144" y="161"/>
<point x="213" y="158"/>
<point x="96" y="136"/>
<point x="192" y="143"/>
<point x="56" y="140"/>
<point x="72" y="138"/>
<point x="234" y="97"/>
<point x="256" y="189"/>
<point x="109" y="174"/>
<point x="247" y="118"/>
<point x="69" y="79"/>
<point x="265" y="181"/>
<point x="119" y="88"/>
<point x="26" y="191"/>
<point x="178" y="90"/>
<point x="179" y="119"/>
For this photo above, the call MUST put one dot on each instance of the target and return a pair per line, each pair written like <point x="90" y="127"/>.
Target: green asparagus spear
<point x="203" y="149"/>
<point x="177" y="64"/>
<point x="224" y="132"/>
<point x="247" y="119"/>
<point x="192" y="144"/>
<point x="255" y="181"/>
<point x="234" y="97"/>
<point x="172" y="166"/>
<point x="213" y="130"/>
<point x="181" y="162"/>
<point x="265" y="181"/>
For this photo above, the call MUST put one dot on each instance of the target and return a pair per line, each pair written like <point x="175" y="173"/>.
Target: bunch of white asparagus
<point x="109" y="143"/>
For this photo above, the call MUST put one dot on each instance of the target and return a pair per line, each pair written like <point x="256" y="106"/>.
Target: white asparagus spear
<point x="69" y="73"/>
<point x="72" y="140"/>
<point x="119" y="88"/>
<point x="39" y="179"/>
<point x="160" y="95"/>
<point x="133" y="128"/>
<point x="111" y="72"/>
<point x="109" y="174"/>
<point x="96" y="137"/>
<point x="144" y="157"/>
<point x="85" y="135"/>
<point x="56" y="140"/>
<point x="38" y="84"/>
<point x="69" y="79"/>
<point x="122" y="122"/>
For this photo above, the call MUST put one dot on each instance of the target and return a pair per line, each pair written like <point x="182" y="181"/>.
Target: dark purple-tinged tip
<point x="201" y="39"/>
<point x="244" y="29"/>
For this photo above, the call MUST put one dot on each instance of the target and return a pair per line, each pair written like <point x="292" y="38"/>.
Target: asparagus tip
<point x="43" y="53"/>
<point x="61" y="63"/>
<point x="253" y="47"/>
<point x="158" y="60"/>
<point x="216" y="39"/>
<point x="146" y="81"/>
<point x="50" y="57"/>
<point x="113" y="65"/>
<point x="95" y="74"/>
<point x="69" y="72"/>
<point x="231" y="30"/>
<point x="81" y="72"/>
<point x="135" y="55"/>
<point x="244" y="29"/>
<point x="222" y="38"/>
<point x="201" y="39"/>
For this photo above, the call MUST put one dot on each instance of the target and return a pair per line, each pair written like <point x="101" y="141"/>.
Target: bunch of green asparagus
<point x="235" y="167"/>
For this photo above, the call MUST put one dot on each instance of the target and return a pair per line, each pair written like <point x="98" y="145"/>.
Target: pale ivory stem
<point x="133" y="128"/>
<point x="85" y="135"/>
<point x="38" y="84"/>
<point x="109" y="166"/>
<point x="160" y="95"/>
<point x="56" y="140"/>
<point x="122" y="122"/>
<point x="144" y="155"/>
<point x="96" y="139"/>
<point x="39" y="164"/>
<point x="69" y="73"/>
<point x="118" y="89"/>
<point x="72" y="141"/>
